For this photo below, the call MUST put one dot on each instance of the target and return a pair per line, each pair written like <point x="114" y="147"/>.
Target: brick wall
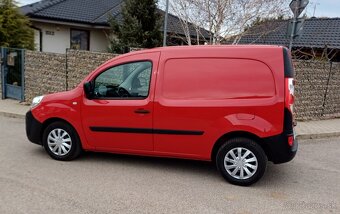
<point x="317" y="82"/>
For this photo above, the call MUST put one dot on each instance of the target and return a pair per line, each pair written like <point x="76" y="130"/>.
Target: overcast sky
<point x="324" y="8"/>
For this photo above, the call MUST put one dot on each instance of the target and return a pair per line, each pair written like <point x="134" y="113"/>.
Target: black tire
<point x="73" y="148"/>
<point x="245" y="144"/>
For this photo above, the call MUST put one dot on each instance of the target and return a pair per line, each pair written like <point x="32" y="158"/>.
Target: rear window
<point x="203" y="78"/>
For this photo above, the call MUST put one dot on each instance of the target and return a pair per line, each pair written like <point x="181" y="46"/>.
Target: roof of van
<point x="197" y="48"/>
<point x="207" y="47"/>
<point x="216" y="46"/>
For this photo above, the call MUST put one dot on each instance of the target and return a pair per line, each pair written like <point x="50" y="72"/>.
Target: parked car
<point x="232" y="105"/>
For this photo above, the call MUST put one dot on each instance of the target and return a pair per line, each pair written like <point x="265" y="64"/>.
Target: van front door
<point x="119" y="116"/>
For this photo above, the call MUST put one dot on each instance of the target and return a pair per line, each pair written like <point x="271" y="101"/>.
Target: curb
<point x="12" y="115"/>
<point x="317" y="136"/>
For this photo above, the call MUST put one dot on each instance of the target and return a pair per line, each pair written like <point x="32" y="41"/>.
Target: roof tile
<point x="316" y="33"/>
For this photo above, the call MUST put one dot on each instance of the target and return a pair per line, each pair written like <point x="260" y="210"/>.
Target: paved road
<point x="31" y="182"/>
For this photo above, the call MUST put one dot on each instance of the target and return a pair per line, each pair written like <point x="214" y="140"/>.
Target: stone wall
<point x="44" y="73"/>
<point x="317" y="90"/>
<point x="81" y="63"/>
<point x="49" y="72"/>
<point x="332" y="104"/>
<point x="0" y="82"/>
<point x="317" y="82"/>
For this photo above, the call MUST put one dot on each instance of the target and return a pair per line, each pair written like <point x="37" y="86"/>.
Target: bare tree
<point x="183" y="13"/>
<point x="191" y="19"/>
<point x="225" y="17"/>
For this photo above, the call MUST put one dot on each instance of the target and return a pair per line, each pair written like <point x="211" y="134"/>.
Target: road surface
<point x="31" y="182"/>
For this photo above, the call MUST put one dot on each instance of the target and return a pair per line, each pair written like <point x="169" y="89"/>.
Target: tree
<point x="139" y="26"/>
<point x="190" y="16"/>
<point x="224" y="18"/>
<point x="15" y="31"/>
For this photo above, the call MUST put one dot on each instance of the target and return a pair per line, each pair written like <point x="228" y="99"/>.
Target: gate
<point x="12" y="73"/>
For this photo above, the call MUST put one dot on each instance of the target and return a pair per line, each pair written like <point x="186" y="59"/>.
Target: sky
<point x="323" y="8"/>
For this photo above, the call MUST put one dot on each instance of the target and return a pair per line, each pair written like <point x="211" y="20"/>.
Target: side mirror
<point x="88" y="89"/>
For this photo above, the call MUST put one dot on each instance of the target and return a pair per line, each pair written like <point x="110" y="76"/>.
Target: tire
<point x="253" y="161"/>
<point x="61" y="141"/>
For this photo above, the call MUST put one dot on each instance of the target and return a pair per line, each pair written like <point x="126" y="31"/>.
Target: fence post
<point x="66" y="70"/>
<point x="327" y="86"/>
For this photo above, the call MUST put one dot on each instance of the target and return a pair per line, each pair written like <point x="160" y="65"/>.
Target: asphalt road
<point x="31" y="182"/>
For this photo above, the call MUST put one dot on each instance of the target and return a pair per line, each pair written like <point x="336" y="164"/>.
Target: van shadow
<point x="275" y="175"/>
<point x="201" y="168"/>
<point x="278" y="176"/>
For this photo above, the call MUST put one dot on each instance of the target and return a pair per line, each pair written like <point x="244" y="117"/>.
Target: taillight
<point x="290" y="140"/>
<point x="289" y="98"/>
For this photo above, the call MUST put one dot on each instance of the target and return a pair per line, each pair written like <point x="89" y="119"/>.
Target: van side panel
<point x="214" y="93"/>
<point x="217" y="79"/>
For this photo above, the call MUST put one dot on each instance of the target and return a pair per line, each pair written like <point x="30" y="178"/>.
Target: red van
<point x="232" y="105"/>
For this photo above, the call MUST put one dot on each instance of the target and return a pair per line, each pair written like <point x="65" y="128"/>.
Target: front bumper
<point x="278" y="150"/>
<point x="33" y="129"/>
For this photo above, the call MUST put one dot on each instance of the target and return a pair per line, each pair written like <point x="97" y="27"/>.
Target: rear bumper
<point x="278" y="149"/>
<point x="33" y="129"/>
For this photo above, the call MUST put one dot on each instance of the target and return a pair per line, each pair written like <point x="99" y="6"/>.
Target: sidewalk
<point x="12" y="108"/>
<point x="304" y="130"/>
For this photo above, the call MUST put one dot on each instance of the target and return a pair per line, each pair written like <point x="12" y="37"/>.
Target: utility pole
<point x="165" y="30"/>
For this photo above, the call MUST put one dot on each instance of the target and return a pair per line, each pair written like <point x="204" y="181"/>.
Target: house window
<point x="80" y="39"/>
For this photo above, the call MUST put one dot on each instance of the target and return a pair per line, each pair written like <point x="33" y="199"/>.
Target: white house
<point x="82" y="24"/>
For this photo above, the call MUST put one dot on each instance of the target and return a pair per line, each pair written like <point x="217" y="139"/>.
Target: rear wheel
<point x="61" y="141"/>
<point x="241" y="161"/>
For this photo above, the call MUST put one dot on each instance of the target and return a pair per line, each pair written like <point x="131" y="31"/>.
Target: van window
<point x="131" y="80"/>
<point x="203" y="78"/>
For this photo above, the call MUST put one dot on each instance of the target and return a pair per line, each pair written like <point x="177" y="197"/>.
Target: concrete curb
<point x="317" y="136"/>
<point x="12" y="115"/>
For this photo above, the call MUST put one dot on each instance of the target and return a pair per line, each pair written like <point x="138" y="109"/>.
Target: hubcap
<point x="240" y="163"/>
<point x="59" y="142"/>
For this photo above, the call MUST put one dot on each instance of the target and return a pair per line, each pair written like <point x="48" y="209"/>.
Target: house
<point x="83" y="24"/>
<point x="318" y="37"/>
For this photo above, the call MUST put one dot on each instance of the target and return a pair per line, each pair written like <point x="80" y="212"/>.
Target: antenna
<point x="315" y="4"/>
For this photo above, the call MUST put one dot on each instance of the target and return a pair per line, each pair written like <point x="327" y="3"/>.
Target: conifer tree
<point x="138" y="27"/>
<point x="15" y="31"/>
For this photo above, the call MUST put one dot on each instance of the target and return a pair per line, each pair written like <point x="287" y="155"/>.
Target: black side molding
<point x="145" y="131"/>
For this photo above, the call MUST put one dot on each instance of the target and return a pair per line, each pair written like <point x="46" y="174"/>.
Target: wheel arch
<point x="49" y="121"/>
<point x="236" y="134"/>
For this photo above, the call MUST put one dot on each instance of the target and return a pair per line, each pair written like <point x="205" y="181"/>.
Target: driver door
<point x="119" y="116"/>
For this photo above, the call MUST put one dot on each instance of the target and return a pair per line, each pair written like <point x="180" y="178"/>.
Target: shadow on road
<point x="275" y="174"/>
<point x="170" y="164"/>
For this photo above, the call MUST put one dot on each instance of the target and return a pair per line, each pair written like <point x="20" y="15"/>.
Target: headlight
<point x="36" y="101"/>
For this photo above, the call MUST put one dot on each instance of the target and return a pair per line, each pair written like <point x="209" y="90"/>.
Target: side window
<point x="126" y="81"/>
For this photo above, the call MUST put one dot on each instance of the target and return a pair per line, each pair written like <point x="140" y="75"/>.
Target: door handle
<point x="142" y="111"/>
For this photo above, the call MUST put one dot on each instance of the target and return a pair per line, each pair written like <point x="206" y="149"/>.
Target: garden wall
<point x="317" y="82"/>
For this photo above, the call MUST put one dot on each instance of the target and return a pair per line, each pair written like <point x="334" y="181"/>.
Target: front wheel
<point x="61" y="141"/>
<point x="241" y="161"/>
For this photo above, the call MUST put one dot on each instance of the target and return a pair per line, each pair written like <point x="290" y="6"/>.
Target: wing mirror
<point x="88" y="89"/>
